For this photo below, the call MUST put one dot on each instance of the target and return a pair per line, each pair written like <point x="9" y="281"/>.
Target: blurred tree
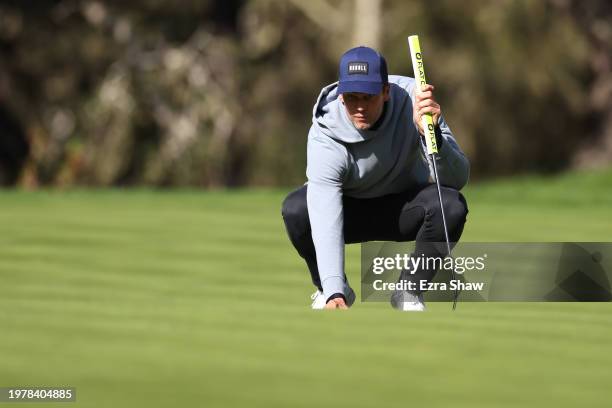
<point x="594" y="20"/>
<point x="213" y="94"/>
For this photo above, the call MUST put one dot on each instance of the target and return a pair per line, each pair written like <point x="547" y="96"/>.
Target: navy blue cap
<point x="362" y="69"/>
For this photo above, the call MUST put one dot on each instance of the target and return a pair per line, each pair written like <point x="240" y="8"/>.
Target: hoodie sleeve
<point x="326" y="169"/>
<point x="453" y="165"/>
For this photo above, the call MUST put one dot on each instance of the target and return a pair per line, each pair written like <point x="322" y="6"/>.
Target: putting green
<point x="149" y="299"/>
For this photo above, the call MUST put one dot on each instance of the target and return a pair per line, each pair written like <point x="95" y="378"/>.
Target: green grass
<point x="151" y="299"/>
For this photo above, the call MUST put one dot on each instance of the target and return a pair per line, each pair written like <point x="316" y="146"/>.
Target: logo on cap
<point x="358" y="68"/>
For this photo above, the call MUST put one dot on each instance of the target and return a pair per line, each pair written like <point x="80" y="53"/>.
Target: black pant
<point x="408" y="216"/>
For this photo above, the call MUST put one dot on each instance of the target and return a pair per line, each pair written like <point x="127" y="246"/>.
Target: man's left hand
<point x="425" y="103"/>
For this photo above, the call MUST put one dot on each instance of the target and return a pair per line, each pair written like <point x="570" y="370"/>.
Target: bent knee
<point x="455" y="208"/>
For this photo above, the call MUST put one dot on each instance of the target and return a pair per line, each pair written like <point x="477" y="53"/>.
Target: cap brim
<point x="372" y="88"/>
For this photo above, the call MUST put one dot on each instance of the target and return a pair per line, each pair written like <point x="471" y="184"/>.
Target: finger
<point x="424" y="95"/>
<point x="340" y="303"/>
<point x="436" y="117"/>
<point x="427" y="102"/>
<point x="424" y="88"/>
<point x="429" y="109"/>
<point x="427" y="87"/>
<point x="330" y="305"/>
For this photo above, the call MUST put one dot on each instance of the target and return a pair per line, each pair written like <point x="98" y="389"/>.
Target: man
<point x="369" y="177"/>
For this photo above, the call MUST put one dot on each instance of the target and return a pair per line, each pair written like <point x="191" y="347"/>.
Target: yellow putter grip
<point x="419" y="77"/>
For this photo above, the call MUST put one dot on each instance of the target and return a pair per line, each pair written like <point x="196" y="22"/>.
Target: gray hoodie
<point x="367" y="163"/>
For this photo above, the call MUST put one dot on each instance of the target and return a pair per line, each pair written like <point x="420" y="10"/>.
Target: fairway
<point x="189" y="298"/>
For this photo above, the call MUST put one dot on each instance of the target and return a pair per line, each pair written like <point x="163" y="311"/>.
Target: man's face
<point x="364" y="109"/>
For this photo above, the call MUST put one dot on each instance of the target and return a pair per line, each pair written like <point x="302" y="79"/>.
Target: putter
<point x="430" y="138"/>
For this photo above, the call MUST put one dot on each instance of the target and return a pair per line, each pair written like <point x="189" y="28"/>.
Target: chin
<point x="363" y="126"/>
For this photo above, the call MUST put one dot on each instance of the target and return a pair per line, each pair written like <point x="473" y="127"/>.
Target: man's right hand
<point x="336" y="303"/>
<point x="424" y="102"/>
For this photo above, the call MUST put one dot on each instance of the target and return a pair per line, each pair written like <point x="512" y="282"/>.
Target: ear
<point x="386" y="92"/>
<point x="341" y="98"/>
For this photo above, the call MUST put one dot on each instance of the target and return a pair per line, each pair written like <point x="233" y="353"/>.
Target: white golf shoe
<point x="318" y="299"/>
<point x="408" y="302"/>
